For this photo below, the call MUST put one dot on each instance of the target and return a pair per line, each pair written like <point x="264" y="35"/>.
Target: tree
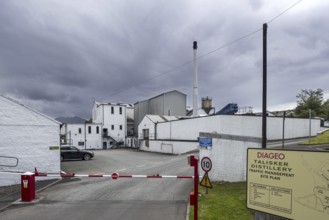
<point x="307" y="100"/>
<point x="325" y="110"/>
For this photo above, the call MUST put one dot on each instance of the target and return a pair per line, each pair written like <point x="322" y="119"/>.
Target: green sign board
<point x="54" y="148"/>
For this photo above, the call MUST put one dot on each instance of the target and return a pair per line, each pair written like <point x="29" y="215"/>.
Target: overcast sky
<point x="57" y="56"/>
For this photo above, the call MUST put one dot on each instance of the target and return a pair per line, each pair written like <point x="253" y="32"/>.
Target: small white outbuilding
<point x="28" y="140"/>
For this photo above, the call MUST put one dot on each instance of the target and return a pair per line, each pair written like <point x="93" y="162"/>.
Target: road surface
<point x="122" y="199"/>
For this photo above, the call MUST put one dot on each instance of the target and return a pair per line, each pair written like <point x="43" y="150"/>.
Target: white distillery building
<point x="29" y="140"/>
<point x="113" y="119"/>
<point x="231" y="136"/>
<point x="108" y="129"/>
<point x="83" y="136"/>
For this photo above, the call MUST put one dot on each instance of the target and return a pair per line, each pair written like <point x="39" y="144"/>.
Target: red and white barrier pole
<point x="113" y="175"/>
<point x="28" y="181"/>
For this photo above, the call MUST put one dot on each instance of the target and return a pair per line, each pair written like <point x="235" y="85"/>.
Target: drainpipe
<point x="155" y="130"/>
<point x="85" y="136"/>
<point x="170" y="130"/>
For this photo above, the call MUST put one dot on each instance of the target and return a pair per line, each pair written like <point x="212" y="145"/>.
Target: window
<point x="89" y="129"/>
<point x="81" y="143"/>
<point x="120" y="110"/>
<point x="112" y="127"/>
<point x="112" y="110"/>
<point x="79" y="130"/>
<point x="120" y="127"/>
<point x="97" y="130"/>
<point x="105" y="132"/>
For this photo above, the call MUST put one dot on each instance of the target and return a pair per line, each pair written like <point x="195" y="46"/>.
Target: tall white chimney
<point x="195" y="80"/>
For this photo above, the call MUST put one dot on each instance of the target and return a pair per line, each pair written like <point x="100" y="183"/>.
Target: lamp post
<point x="283" y="126"/>
<point x="310" y="124"/>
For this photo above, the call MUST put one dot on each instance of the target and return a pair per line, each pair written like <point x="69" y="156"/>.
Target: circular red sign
<point x="115" y="176"/>
<point x="206" y="164"/>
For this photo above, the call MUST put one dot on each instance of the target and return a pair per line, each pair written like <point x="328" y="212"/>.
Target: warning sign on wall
<point x="291" y="184"/>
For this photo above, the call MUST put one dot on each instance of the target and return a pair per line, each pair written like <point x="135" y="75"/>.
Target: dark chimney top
<point x="195" y="45"/>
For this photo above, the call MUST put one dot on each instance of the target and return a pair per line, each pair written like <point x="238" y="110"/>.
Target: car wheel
<point x="86" y="157"/>
<point x="62" y="158"/>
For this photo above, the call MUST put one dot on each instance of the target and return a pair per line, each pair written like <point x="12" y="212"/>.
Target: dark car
<point x="71" y="152"/>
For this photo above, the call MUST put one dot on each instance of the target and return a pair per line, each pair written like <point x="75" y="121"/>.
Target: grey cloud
<point x="57" y="53"/>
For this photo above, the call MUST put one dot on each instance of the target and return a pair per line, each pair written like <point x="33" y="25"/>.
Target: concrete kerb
<point x="18" y="202"/>
<point x="188" y="210"/>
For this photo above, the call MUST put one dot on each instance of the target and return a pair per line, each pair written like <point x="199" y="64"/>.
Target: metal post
<point x="310" y="115"/>
<point x="264" y="86"/>
<point x="196" y="188"/>
<point x="283" y="126"/>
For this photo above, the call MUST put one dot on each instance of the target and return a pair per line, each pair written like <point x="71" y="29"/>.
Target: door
<point x="104" y="145"/>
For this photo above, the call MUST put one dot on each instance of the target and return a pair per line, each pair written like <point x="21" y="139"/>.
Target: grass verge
<point x="322" y="138"/>
<point x="224" y="201"/>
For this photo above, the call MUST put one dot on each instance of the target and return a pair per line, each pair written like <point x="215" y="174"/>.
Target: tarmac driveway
<point x="104" y="198"/>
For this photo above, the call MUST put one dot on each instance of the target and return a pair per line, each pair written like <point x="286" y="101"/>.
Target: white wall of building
<point x="229" y="159"/>
<point x="113" y="117"/>
<point x="93" y="136"/>
<point x="115" y="121"/>
<point x="84" y="136"/>
<point x="97" y="112"/>
<point x="169" y="147"/>
<point x="232" y="136"/>
<point x="188" y="130"/>
<point x="26" y="135"/>
<point x="236" y="125"/>
<point x="75" y="134"/>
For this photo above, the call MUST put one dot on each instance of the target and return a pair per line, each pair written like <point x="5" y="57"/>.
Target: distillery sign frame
<point x="288" y="183"/>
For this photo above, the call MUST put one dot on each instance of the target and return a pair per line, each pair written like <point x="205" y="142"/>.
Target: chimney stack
<point x="195" y="80"/>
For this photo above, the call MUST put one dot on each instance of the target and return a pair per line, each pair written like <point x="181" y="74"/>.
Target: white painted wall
<point x="27" y="135"/>
<point x="170" y="147"/>
<point x="146" y="123"/>
<point x="229" y="159"/>
<point x="132" y="142"/>
<point x="189" y="129"/>
<point x="115" y="122"/>
<point x="228" y="155"/>
<point x="78" y="135"/>
<point x="94" y="137"/>
<point x="74" y="136"/>
<point x="250" y="126"/>
<point x="116" y="119"/>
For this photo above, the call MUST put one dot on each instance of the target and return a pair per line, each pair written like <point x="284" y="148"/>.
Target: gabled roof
<point x="10" y="109"/>
<point x="173" y="91"/>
